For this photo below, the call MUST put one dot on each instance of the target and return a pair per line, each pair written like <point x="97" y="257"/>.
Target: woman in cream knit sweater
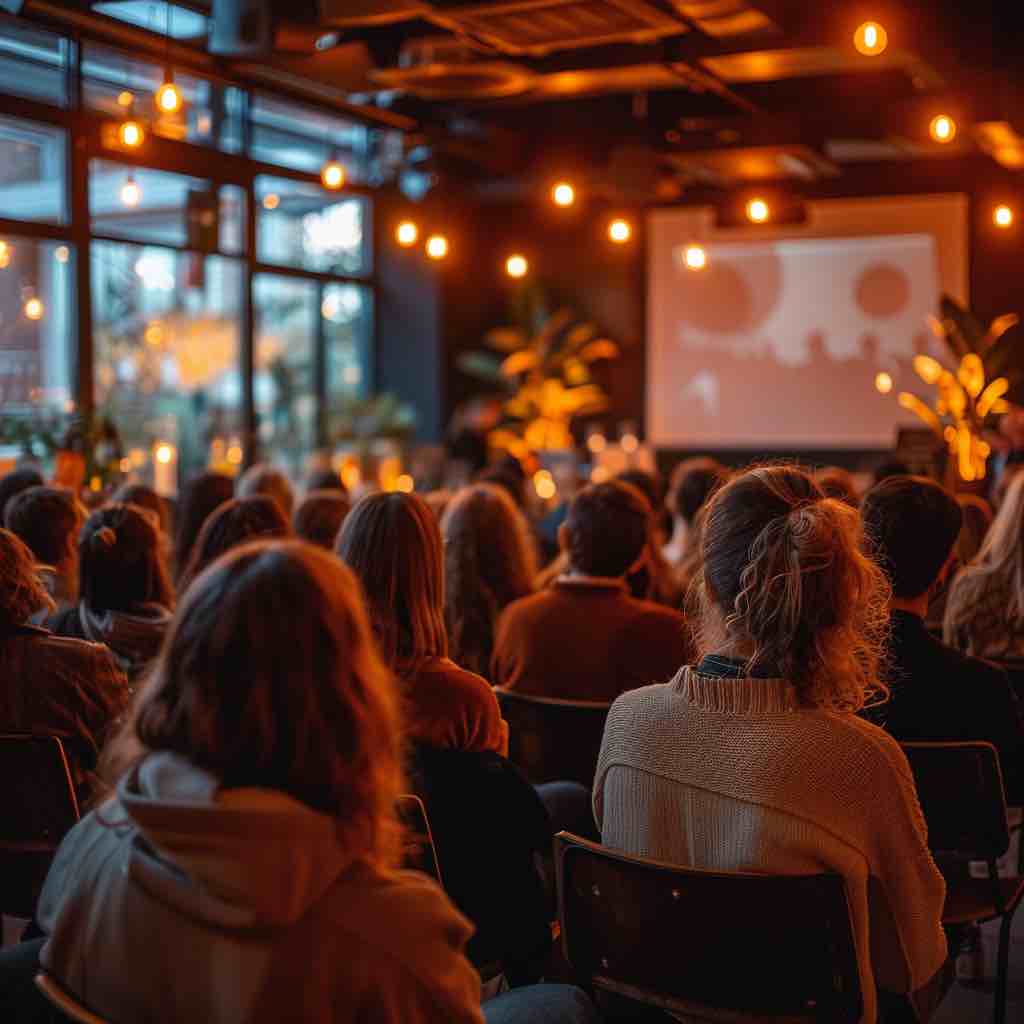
<point x="755" y="759"/>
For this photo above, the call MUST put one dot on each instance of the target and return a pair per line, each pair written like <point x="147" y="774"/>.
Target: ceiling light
<point x="516" y="266"/>
<point x="695" y="257"/>
<point x="563" y="194"/>
<point x="406" y="233"/>
<point x="271" y="201"/>
<point x="757" y="211"/>
<point x="131" y="193"/>
<point x="168" y="97"/>
<point x="619" y="230"/>
<point x="437" y="247"/>
<point x="870" y="39"/>
<point x="942" y="128"/>
<point x="332" y="174"/>
<point x="1002" y="216"/>
<point x="125" y="98"/>
<point x="34" y="308"/>
<point x="131" y="134"/>
<point x="883" y="383"/>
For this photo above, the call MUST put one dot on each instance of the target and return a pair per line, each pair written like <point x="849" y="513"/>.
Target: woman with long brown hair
<point x="393" y="545"/>
<point x="490" y="562"/>
<point x="253" y="833"/>
<point x="755" y="758"/>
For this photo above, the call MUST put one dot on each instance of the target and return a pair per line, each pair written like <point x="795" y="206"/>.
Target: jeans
<point x="569" y="808"/>
<point x="541" y="1004"/>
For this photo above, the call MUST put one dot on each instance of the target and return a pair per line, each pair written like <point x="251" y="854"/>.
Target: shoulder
<point x="860" y="746"/>
<point x="529" y="605"/>
<point x="444" y="672"/>
<point x="649" y="613"/>
<point x="639" y="709"/>
<point x="67" y="649"/>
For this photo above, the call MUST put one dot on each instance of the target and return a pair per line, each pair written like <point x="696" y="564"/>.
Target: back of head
<point x="266" y="479"/>
<point x="913" y="524"/>
<point x="47" y="519"/>
<point x="606" y="529"/>
<point x="393" y="545"/>
<point x="836" y="482"/>
<point x="144" y="497"/>
<point x="269" y="678"/>
<point x="319" y="516"/>
<point x="692" y="483"/>
<point x="203" y="495"/>
<point x="15" y="482"/>
<point x="120" y="566"/>
<point x="21" y="592"/>
<point x="648" y="484"/>
<point x="786" y="586"/>
<point x="233" y="523"/>
<point x="890" y="467"/>
<point x="324" y="480"/>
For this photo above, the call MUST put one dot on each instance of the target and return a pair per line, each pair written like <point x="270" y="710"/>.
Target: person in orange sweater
<point x="586" y="638"/>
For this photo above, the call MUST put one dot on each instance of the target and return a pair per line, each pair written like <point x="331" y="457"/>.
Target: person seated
<point x="125" y="595"/>
<point x="203" y="495"/>
<point x="937" y="693"/>
<point x="233" y="523"/>
<point x="490" y="561"/>
<point x="836" y="482"/>
<point x="266" y="479"/>
<point x="985" y="604"/>
<point x="692" y="482"/>
<point x="146" y="498"/>
<point x="318" y="517"/>
<point x="392" y="542"/>
<point x="977" y="522"/>
<point x="325" y="479"/>
<point x="257" y="849"/>
<point x="754" y="759"/>
<point x="13" y="483"/>
<point x="656" y="580"/>
<point x="48" y="519"/>
<point x="585" y="638"/>
<point x="48" y="684"/>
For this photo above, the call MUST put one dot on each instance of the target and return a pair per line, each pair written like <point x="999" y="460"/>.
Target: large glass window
<point x="166" y="350"/>
<point x="37" y="325"/>
<point x="302" y="225"/>
<point x="34" y="63"/>
<point x="347" y="314"/>
<point x="32" y="171"/>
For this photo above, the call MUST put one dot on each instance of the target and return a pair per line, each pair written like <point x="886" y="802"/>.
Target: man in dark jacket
<point x="938" y="693"/>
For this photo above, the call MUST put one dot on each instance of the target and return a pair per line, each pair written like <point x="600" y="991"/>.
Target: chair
<point x="720" y="946"/>
<point x="65" y="1002"/>
<point x="553" y="740"/>
<point x="37" y="807"/>
<point x="419" y="853"/>
<point x="960" y="789"/>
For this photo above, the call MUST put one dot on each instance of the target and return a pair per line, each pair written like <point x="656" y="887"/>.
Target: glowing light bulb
<point x="870" y="39"/>
<point x="1002" y="216"/>
<point x="272" y="201"/>
<point x="5" y="254"/>
<point x="619" y="230"/>
<point x="437" y="247"/>
<point x="34" y="308"/>
<point x="332" y="174"/>
<point x="695" y="257"/>
<point x="164" y="453"/>
<point x="516" y="266"/>
<point x="131" y="134"/>
<point x="125" y="98"/>
<point x="544" y="484"/>
<point x="942" y="128"/>
<point x="405" y="484"/>
<point x="757" y="211"/>
<point x="131" y="194"/>
<point x="62" y="254"/>
<point x="168" y="97"/>
<point x="406" y="233"/>
<point x="883" y="383"/>
<point x="563" y="194"/>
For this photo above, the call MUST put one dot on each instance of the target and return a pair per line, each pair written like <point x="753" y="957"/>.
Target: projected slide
<point x="777" y="342"/>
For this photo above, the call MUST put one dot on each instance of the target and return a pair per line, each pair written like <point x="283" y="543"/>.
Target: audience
<point x="318" y="517"/>
<point x="325" y="479"/>
<point x="586" y="638"/>
<point x="393" y="544"/>
<point x="836" y="482"/>
<point x="257" y="849"/>
<point x="125" y="595"/>
<point x="203" y="495"/>
<point x="489" y="563"/>
<point x="754" y="758"/>
<point x="49" y="684"/>
<point x="48" y="519"/>
<point x="985" y="606"/>
<point x="692" y="482"/>
<point x="655" y="580"/>
<point x="15" y="482"/>
<point x="266" y="479"/>
<point x="145" y="497"/>
<point x="936" y="693"/>
<point x="235" y="522"/>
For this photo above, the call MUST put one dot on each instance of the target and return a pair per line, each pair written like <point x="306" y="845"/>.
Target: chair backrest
<point x="553" y="740"/>
<point x="419" y="852"/>
<point x="960" y="788"/>
<point x="65" y="1002"/>
<point x="37" y="807"/>
<point x="716" y="945"/>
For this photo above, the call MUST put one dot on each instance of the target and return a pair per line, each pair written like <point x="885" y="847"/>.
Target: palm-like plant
<point x="986" y="377"/>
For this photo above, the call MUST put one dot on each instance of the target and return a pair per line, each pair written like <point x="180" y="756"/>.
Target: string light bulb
<point x="131" y="193"/>
<point x="406" y="233"/>
<point x="942" y="128"/>
<point x="271" y="201"/>
<point x="131" y="134"/>
<point x="437" y="247"/>
<point x="34" y="308"/>
<point x="883" y="383"/>
<point x="5" y="254"/>
<point x="516" y="266"/>
<point x="563" y="194"/>
<point x="332" y="174"/>
<point x="870" y="39"/>
<point x="757" y="211"/>
<point x="168" y="97"/>
<point x="1002" y="216"/>
<point x="619" y="231"/>
<point x="695" y="257"/>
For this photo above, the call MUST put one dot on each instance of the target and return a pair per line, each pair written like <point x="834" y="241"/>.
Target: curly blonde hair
<point x="787" y="580"/>
<point x="21" y="591"/>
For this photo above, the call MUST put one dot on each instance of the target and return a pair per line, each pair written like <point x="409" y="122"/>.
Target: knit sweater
<point x="732" y="774"/>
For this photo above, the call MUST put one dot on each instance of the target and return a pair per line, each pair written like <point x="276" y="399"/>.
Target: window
<point x="170" y="20"/>
<point x="166" y="350"/>
<point x="34" y="63"/>
<point x="32" y="171"/>
<point x="145" y="205"/>
<point x="37" y="325"/>
<point x="346" y="311"/>
<point x="302" y="225"/>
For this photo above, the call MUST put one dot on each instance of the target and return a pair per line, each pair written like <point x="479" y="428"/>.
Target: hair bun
<point x="105" y="536"/>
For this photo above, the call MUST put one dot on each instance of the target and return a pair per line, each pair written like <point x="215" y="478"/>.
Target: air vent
<point x="538" y="27"/>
